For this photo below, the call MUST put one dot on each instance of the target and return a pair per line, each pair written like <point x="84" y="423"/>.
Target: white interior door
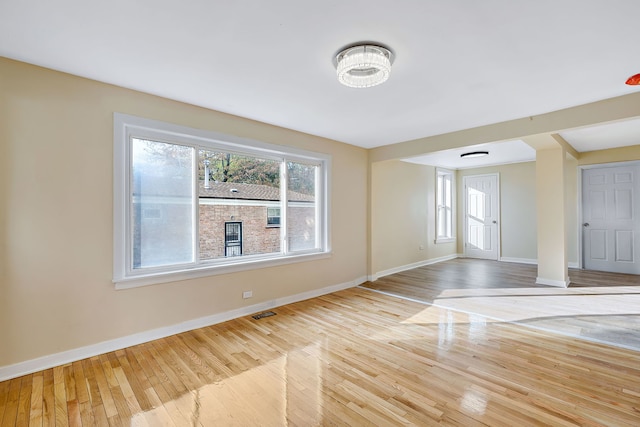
<point x="611" y="225"/>
<point x="481" y="216"/>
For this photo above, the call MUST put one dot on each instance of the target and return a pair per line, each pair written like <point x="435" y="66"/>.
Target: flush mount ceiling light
<point x="474" y="154"/>
<point x="363" y="65"/>
<point x="633" y="80"/>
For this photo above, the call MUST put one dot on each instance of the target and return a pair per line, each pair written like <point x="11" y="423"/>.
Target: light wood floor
<point x="598" y="306"/>
<point x="355" y="357"/>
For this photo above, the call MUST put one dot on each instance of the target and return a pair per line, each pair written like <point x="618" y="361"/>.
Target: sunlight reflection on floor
<point x="608" y="315"/>
<point x="456" y="293"/>
<point x="266" y="395"/>
<point x="515" y="308"/>
<point x="260" y="402"/>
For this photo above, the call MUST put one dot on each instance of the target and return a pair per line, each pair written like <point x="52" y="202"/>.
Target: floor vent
<point x="265" y="314"/>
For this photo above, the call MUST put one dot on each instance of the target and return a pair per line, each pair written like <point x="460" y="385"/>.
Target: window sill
<point x="213" y="270"/>
<point x="445" y="240"/>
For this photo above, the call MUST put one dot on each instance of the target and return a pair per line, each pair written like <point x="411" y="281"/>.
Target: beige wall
<point x="403" y="216"/>
<point x="518" y="230"/>
<point x="612" y="155"/>
<point x="571" y="209"/>
<point x="56" y="232"/>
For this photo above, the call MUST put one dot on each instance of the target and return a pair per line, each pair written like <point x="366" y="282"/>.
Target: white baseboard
<point x="402" y="268"/>
<point x="550" y="282"/>
<point x="62" y="358"/>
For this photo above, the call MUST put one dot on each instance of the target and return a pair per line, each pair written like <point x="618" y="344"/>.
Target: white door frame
<point x="580" y="206"/>
<point x="464" y="211"/>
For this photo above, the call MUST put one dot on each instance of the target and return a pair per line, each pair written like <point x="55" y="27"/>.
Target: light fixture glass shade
<point x="363" y="66"/>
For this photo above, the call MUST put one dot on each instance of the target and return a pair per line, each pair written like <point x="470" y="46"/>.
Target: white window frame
<point x="450" y="210"/>
<point x="273" y="216"/>
<point x="127" y="127"/>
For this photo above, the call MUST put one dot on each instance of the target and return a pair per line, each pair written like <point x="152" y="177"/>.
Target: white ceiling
<point x="459" y="64"/>
<point x="499" y="153"/>
<point x="619" y="134"/>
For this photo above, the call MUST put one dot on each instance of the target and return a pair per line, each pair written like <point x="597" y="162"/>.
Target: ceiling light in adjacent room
<point x="472" y="154"/>
<point x="363" y="65"/>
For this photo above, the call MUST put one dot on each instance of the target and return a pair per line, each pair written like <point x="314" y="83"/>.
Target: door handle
<point x="494" y="221"/>
<point x="586" y="224"/>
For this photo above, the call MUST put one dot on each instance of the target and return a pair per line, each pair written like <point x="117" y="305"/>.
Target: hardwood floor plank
<point x="121" y="403"/>
<point x="60" y="397"/>
<point x="105" y="392"/>
<point x="69" y="383"/>
<point x="135" y="378"/>
<point x="108" y="371"/>
<point x="170" y="381"/>
<point x="12" y="402"/>
<point x="24" y="401"/>
<point x="126" y="392"/>
<point x="73" y="411"/>
<point x="35" y="410"/>
<point x="48" y="399"/>
<point x="215" y="358"/>
<point x="159" y="383"/>
<point x="86" y="414"/>
<point x="99" y="415"/>
<point x="4" y="395"/>
<point x="190" y="363"/>
<point x="90" y="383"/>
<point x="82" y="393"/>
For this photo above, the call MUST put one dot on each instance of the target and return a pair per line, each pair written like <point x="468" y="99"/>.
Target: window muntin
<point x="160" y="200"/>
<point x="445" y="187"/>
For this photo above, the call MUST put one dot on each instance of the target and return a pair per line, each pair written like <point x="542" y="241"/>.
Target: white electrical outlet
<point x="247" y="294"/>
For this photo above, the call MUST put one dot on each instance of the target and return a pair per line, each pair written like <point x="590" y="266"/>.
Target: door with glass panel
<point x="481" y="216"/>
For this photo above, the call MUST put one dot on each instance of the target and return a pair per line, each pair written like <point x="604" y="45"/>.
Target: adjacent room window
<point x="445" y="206"/>
<point x="189" y="203"/>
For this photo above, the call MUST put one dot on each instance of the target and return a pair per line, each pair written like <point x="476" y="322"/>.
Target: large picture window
<point x="189" y="203"/>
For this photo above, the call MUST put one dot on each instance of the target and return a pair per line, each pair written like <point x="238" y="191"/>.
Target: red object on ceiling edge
<point x="634" y="80"/>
